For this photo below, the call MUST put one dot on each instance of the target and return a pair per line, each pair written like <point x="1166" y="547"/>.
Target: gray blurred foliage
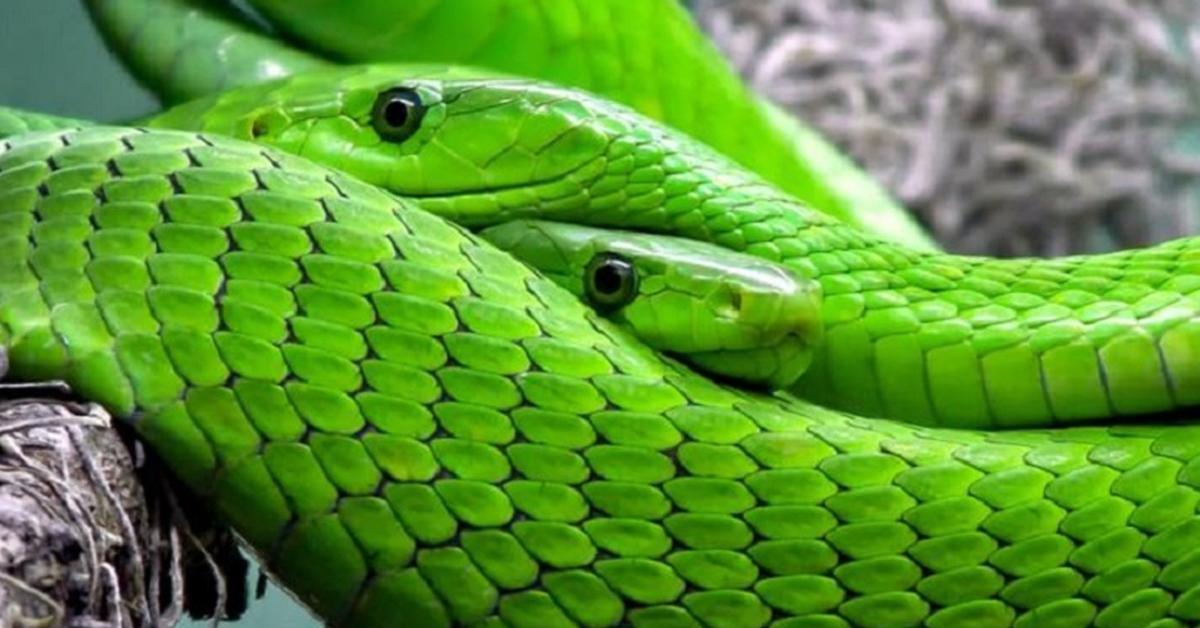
<point x="1011" y="127"/>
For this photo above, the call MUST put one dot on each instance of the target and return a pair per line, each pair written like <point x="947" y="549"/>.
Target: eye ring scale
<point x="611" y="281"/>
<point x="397" y="113"/>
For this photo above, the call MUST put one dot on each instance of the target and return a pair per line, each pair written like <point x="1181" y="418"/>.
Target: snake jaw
<point x="772" y="367"/>
<point x="759" y="325"/>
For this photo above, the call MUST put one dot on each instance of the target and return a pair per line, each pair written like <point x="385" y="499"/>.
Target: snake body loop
<point x="406" y="422"/>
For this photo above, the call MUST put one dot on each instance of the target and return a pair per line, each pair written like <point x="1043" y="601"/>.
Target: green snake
<point x="907" y="334"/>
<point x="647" y="54"/>
<point x="401" y="419"/>
<point x="405" y="422"/>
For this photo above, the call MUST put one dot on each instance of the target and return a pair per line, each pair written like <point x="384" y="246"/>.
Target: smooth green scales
<point x="407" y="423"/>
<point x="911" y="335"/>
<point x="683" y="297"/>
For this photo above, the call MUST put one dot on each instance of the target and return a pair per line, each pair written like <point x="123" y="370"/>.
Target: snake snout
<point x="786" y="307"/>
<point x="774" y="328"/>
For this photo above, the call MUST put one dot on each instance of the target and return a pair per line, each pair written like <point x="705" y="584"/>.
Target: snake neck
<point x="1025" y="342"/>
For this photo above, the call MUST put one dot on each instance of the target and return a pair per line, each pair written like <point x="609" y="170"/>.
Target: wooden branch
<point x="91" y="533"/>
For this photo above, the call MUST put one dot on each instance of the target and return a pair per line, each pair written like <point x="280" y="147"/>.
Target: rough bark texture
<point x="73" y="519"/>
<point x="1012" y="127"/>
<point x="90" y="539"/>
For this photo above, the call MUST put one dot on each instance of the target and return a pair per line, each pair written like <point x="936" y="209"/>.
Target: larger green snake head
<point x="417" y="130"/>
<point x="728" y="313"/>
<point x="475" y="148"/>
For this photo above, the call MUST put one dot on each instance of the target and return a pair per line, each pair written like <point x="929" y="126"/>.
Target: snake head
<point x="426" y="132"/>
<point x="726" y="313"/>
<point x="472" y="146"/>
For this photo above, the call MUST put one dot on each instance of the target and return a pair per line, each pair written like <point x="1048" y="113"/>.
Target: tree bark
<point x="91" y="533"/>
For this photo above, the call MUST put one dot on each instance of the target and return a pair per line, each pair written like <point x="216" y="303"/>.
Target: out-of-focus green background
<point x="51" y="60"/>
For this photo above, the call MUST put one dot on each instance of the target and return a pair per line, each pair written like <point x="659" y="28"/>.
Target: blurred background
<point x="53" y="61"/>
<point x="1010" y="127"/>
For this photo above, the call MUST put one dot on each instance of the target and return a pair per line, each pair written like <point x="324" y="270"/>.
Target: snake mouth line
<point x="458" y="194"/>
<point x="303" y="146"/>
<point x="506" y="187"/>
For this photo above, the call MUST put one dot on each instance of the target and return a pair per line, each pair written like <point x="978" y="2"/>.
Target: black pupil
<point x="395" y="112"/>
<point x="609" y="278"/>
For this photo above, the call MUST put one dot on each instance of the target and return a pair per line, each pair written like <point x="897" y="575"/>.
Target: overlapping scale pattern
<point x="406" y="423"/>
<point x="17" y="121"/>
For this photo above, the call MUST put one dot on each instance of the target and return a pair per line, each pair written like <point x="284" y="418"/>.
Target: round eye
<point x="611" y="281"/>
<point x="397" y="113"/>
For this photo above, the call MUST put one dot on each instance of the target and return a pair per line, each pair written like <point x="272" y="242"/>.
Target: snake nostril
<point x="258" y="128"/>
<point x="735" y="301"/>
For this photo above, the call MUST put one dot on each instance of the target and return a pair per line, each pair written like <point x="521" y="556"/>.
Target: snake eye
<point x="611" y="281"/>
<point x="397" y="113"/>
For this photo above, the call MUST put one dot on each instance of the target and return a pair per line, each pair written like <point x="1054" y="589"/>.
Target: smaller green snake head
<point x="727" y="313"/>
